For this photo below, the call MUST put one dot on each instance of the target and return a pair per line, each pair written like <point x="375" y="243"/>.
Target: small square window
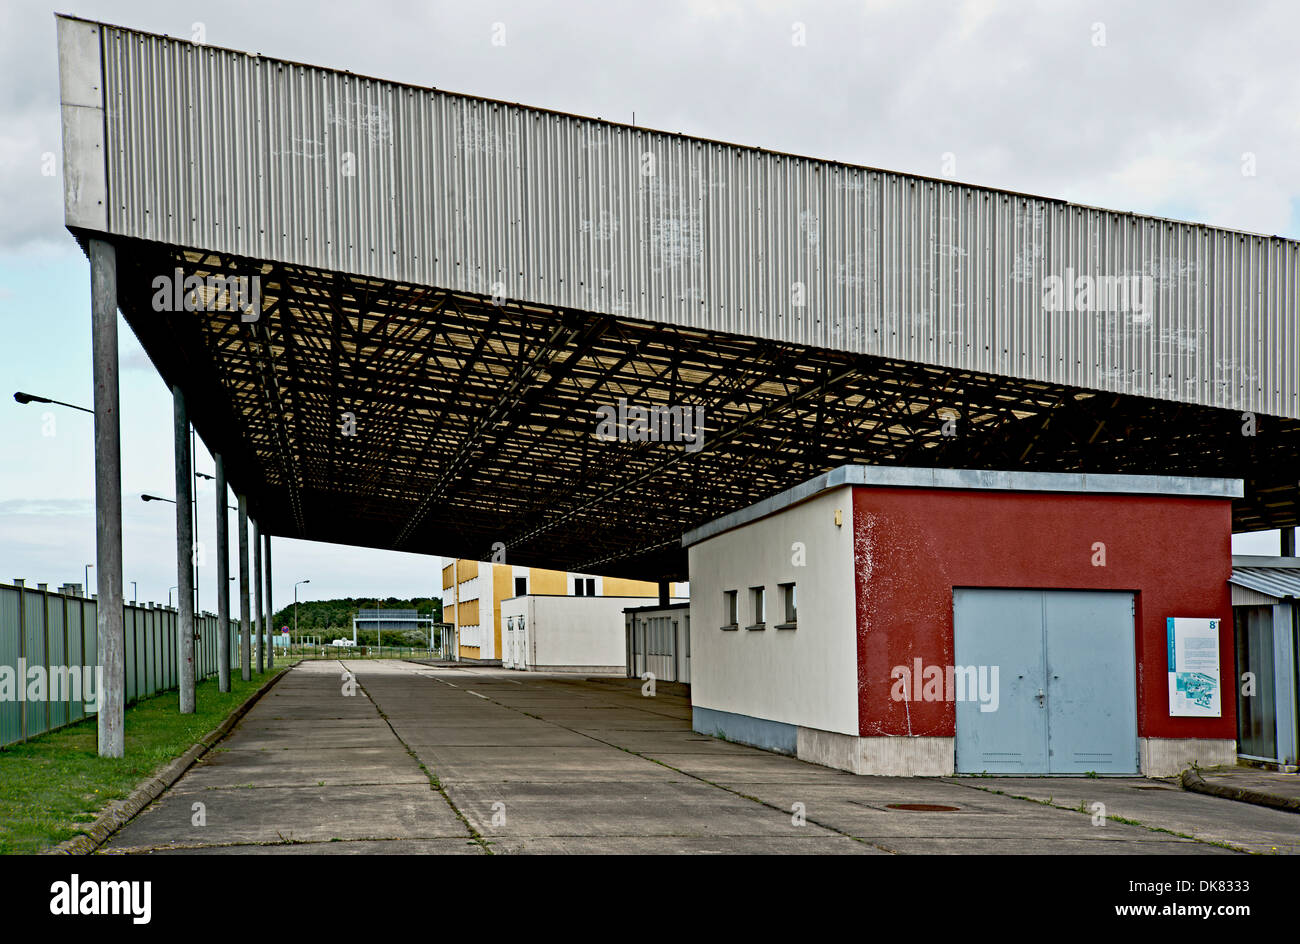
<point x="730" y="618"/>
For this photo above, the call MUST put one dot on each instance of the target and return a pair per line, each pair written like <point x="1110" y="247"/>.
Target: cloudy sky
<point x="1151" y="107"/>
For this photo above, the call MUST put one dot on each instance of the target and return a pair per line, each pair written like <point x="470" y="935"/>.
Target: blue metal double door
<point x="1066" y="699"/>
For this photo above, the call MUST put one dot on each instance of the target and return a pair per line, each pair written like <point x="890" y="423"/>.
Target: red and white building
<point x="904" y="621"/>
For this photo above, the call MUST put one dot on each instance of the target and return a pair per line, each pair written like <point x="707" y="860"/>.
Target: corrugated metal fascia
<point x="266" y="159"/>
<point x="1277" y="582"/>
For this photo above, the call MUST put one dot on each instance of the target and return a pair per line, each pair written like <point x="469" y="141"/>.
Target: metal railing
<point x="441" y="645"/>
<point x="362" y="652"/>
<point x="43" y="634"/>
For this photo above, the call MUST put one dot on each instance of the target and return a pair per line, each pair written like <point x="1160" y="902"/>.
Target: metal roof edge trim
<point x="1278" y="583"/>
<point x="1264" y="560"/>
<point x="1179" y="486"/>
<point x="712" y="142"/>
<point x="655" y="606"/>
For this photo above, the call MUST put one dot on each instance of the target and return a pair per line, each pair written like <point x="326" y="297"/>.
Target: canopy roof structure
<point x="449" y="290"/>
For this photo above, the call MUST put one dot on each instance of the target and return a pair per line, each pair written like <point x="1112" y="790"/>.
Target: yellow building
<point x="472" y="592"/>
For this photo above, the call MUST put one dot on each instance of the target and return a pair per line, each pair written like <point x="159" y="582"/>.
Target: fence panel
<point x="33" y="616"/>
<point x="149" y="632"/>
<point x="11" y="716"/>
<point x="72" y="614"/>
<point x="56" y="632"/>
<point x="89" y="632"/>
<point x="56" y="648"/>
<point x="130" y="655"/>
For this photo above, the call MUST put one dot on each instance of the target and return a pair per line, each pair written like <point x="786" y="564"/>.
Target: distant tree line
<point x="332" y="619"/>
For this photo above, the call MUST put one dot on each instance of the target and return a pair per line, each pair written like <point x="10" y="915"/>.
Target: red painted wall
<point x="914" y="545"/>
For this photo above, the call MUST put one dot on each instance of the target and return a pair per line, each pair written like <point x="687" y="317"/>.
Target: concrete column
<point x="245" y="630"/>
<point x="270" y="610"/>
<point x="184" y="552"/>
<point x="223" y="579"/>
<point x="665" y="592"/>
<point x="108" y="499"/>
<point x="258" y="619"/>
<point x="1288" y="542"/>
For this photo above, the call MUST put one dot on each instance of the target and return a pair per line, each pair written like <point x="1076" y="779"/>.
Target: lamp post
<point x="169" y="594"/>
<point x="194" y="525"/>
<point x="145" y="497"/>
<point x="22" y="397"/>
<point x="295" y="609"/>
<point x="25" y="398"/>
<point x="110" y="637"/>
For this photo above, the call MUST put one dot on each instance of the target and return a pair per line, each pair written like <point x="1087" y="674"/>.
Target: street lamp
<point x="169" y="594"/>
<point x="149" y="498"/>
<point x="33" y="398"/>
<point x="295" y="609"/>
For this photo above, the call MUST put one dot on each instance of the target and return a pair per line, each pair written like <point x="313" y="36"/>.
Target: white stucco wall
<point x="806" y="676"/>
<point x="572" y="632"/>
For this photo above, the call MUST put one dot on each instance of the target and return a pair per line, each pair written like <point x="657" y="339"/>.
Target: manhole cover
<point x="922" y="807"/>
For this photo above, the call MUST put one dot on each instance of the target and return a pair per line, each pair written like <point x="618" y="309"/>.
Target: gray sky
<point x="1149" y="107"/>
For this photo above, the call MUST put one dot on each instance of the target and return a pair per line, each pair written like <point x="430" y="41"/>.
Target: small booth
<point x="902" y="622"/>
<point x="572" y="634"/>
<point x="1267" y="620"/>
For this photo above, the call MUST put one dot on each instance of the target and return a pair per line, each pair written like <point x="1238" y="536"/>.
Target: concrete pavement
<point x="1270" y="788"/>
<point x="433" y="759"/>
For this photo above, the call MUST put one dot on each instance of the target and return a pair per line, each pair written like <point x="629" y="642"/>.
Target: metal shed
<point x="1266" y="619"/>
<point x="659" y="642"/>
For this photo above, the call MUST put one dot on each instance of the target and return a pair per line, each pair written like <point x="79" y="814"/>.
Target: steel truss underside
<point x="475" y="423"/>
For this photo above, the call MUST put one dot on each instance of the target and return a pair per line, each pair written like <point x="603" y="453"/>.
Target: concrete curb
<point x="1192" y="780"/>
<point x="120" y="812"/>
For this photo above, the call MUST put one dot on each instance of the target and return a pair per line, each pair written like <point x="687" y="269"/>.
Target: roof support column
<point x="1288" y="542"/>
<point x="223" y="578"/>
<point x="245" y="630"/>
<point x="665" y="592"/>
<point x="270" y="610"/>
<point x="111" y="635"/>
<point x="185" y="551"/>
<point x="258" y="620"/>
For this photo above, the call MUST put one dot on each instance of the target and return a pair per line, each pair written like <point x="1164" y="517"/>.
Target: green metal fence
<point x="58" y="631"/>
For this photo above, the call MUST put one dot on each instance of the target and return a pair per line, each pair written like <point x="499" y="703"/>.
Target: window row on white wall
<point x="752" y="606"/>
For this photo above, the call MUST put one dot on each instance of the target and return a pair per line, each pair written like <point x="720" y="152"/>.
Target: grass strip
<point x="55" y="785"/>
